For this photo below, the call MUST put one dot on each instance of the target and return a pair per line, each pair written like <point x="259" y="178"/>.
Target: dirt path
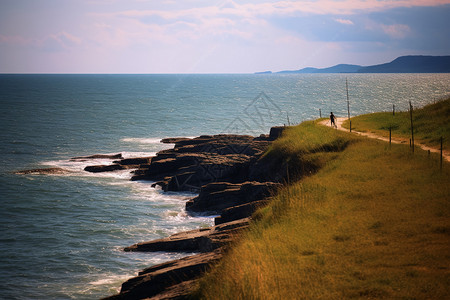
<point x="339" y="122"/>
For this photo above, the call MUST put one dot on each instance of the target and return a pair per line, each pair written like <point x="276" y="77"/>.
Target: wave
<point x="142" y="140"/>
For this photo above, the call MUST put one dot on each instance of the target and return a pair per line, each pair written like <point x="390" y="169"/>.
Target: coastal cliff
<point x="232" y="181"/>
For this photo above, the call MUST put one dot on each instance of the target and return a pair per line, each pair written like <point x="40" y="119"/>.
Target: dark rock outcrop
<point x="99" y="156"/>
<point x="193" y="163"/>
<point x="217" y="196"/>
<point x="176" y="279"/>
<point x="43" y="171"/>
<point x="123" y="164"/>
<point x="103" y="168"/>
<point x="174" y="140"/>
<point x="198" y="240"/>
<point x="239" y="211"/>
<point x="170" y="280"/>
<point x="276" y="132"/>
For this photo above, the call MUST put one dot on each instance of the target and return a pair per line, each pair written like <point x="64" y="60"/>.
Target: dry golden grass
<point x="373" y="223"/>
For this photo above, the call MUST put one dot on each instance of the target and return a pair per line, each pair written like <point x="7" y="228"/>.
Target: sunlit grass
<point x="304" y="149"/>
<point x="374" y="222"/>
<point x="430" y="123"/>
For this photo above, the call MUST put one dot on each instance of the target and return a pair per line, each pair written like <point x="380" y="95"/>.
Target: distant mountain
<point x="412" y="64"/>
<point x="342" y="68"/>
<point x="403" y="64"/>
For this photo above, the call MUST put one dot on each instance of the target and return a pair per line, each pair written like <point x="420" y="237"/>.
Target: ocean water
<point x="61" y="236"/>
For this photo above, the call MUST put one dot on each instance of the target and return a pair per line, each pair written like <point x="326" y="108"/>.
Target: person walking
<point x="333" y="120"/>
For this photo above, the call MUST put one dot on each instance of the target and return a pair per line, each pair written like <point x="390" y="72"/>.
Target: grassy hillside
<point x="373" y="222"/>
<point x="430" y="123"/>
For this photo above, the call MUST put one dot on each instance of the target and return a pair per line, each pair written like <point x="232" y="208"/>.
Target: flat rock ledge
<point x="218" y="196"/>
<point x="122" y="164"/>
<point x="193" y="163"/>
<point x="198" y="240"/>
<point x="170" y="280"/>
<point x="176" y="279"/>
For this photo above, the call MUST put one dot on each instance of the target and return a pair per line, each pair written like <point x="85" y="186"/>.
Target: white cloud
<point x="344" y="21"/>
<point x="396" y="31"/>
<point x="56" y="41"/>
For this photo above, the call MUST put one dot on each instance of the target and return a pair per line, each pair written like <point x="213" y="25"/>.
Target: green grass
<point x="430" y="123"/>
<point x="373" y="222"/>
<point x="304" y="149"/>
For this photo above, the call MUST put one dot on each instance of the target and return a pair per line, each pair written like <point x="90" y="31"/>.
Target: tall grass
<point x="304" y="149"/>
<point x="374" y="222"/>
<point x="430" y="123"/>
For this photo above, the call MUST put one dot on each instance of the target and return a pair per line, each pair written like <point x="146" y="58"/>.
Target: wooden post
<point x="390" y="135"/>
<point x="320" y="113"/>
<point x="412" y="127"/>
<point x="441" y="152"/>
<point x="348" y="104"/>
<point x="287" y="114"/>
<point x="393" y="109"/>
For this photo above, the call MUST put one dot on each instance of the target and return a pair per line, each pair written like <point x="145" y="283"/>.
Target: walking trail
<point x="339" y="121"/>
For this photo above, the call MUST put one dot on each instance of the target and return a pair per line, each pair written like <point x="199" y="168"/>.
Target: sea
<point x="62" y="236"/>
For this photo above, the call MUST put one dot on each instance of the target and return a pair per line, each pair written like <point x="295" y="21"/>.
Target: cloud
<point x="344" y="21"/>
<point x="52" y="42"/>
<point x="16" y="40"/>
<point x="396" y="31"/>
<point x="245" y="21"/>
<point x="220" y="36"/>
<point x="288" y="8"/>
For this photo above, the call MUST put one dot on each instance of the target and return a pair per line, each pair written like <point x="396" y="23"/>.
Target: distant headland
<point x="402" y="64"/>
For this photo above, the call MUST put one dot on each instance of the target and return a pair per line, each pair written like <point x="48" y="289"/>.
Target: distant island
<point x="402" y="64"/>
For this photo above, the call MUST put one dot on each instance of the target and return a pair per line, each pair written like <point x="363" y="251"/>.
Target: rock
<point x="43" y="171"/>
<point x="103" y="168"/>
<point x="238" y="212"/>
<point x="133" y="161"/>
<point x="176" y="279"/>
<point x="129" y="163"/>
<point x="193" y="163"/>
<point x="198" y="240"/>
<point x="215" y="197"/>
<point x="276" y="132"/>
<point x="168" y="278"/>
<point x="99" y="156"/>
<point x="174" y="140"/>
<point x="180" y="291"/>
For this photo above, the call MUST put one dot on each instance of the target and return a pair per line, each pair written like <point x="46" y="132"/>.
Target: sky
<point x="212" y="36"/>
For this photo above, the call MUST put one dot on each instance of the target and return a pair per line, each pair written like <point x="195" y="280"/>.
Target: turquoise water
<point x="61" y="235"/>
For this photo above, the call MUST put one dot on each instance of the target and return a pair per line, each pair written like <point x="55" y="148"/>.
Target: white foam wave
<point x="110" y="279"/>
<point x="142" y="140"/>
<point x="75" y="167"/>
<point x="137" y="154"/>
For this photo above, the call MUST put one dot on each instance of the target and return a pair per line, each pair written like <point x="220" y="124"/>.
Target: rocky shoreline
<point x="232" y="180"/>
<point x="227" y="172"/>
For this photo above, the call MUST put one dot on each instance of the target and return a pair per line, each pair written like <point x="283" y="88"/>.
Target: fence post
<point x="393" y="109"/>
<point x="412" y="128"/>
<point x="320" y="113"/>
<point x="348" y="104"/>
<point x="390" y="136"/>
<point x="441" y="152"/>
